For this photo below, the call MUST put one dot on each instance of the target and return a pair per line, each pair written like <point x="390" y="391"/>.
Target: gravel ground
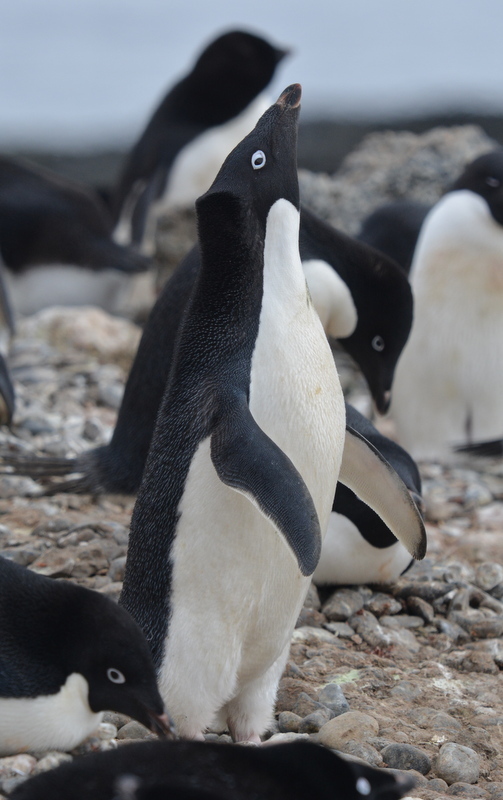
<point x="405" y="676"/>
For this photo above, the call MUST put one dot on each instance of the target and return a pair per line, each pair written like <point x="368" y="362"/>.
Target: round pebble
<point x="457" y="763"/>
<point x="406" y="756"/>
<point x="351" y="725"/>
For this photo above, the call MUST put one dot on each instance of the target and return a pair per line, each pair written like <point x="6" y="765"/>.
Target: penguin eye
<point x="492" y="182"/>
<point x="378" y="343"/>
<point x="115" y="676"/>
<point x="363" y="786"/>
<point x="258" y="159"/>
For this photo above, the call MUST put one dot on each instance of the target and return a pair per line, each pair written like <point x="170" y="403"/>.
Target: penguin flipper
<point x="375" y="482"/>
<point x="247" y="460"/>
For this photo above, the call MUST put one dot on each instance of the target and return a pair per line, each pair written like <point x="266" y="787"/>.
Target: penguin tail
<point x="490" y="448"/>
<point x="46" y="470"/>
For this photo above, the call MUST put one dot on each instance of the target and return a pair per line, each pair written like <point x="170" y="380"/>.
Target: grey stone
<point x="381" y="604"/>
<point x="51" y="760"/>
<point x="304" y="706"/>
<point x="367" y="626"/>
<point x="406" y="756"/>
<point x="455" y="763"/>
<point x="407" y="690"/>
<point x="342" y="605"/>
<point x="401" y="621"/>
<point x="488" y="575"/>
<point x="332" y="696"/>
<point x="341" y="629"/>
<point x="134" y="730"/>
<point x="437" y="785"/>
<point x="117" y="569"/>
<point x="288" y="722"/>
<point x="460" y="789"/>
<point x="114" y="718"/>
<point x="421" y="608"/>
<point x="363" y="750"/>
<point x="313" y="722"/>
<point x="352" y="725"/>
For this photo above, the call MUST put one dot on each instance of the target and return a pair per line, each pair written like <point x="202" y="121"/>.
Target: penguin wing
<point x="247" y="460"/>
<point x="375" y="482"/>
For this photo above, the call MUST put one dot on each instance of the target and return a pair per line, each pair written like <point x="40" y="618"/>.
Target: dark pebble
<point x="406" y="756"/>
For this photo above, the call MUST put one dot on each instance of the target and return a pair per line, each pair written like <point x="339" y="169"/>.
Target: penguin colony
<point x="242" y="443"/>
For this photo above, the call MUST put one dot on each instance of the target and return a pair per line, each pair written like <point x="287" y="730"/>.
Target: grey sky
<point x="89" y="71"/>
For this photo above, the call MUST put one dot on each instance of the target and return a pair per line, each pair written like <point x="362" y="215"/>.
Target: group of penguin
<point x="234" y="433"/>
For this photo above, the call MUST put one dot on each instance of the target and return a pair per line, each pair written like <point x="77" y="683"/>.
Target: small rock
<point x="134" y="730"/>
<point x="341" y="629"/>
<point x="51" y="760"/>
<point x="117" y="569"/>
<point x="332" y="696"/>
<point x="305" y="705"/>
<point x="288" y="693"/>
<point x="407" y="690"/>
<point x="406" y="639"/>
<point x="402" y="621"/>
<point x="457" y="763"/>
<point x="488" y="576"/>
<point x="114" y="718"/>
<point x="342" y="605"/>
<point x="461" y="789"/>
<point x="283" y="738"/>
<point x="22" y="764"/>
<point x="432" y="718"/>
<point x="306" y="633"/>
<point x="351" y="725"/>
<point x="106" y="730"/>
<point x="363" y="750"/>
<point x="406" y="756"/>
<point x="313" y="722"/>
<point x="383" y="604"/>
<point x="310" y="617"/>
<point x="437" y="785"/>
<point x="288" y="722"/>
<point x="367" y="626"/>
<point x="420" y="608"/>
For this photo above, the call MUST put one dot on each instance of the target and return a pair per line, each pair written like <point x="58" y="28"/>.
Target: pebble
<point x="313" y="722"/>
<point x="288" y="722"/>
<point x="457" y="763"/>
<point x="406" y="689"/>
<point x="420" y="608"/>
<point x="351" y="725"/>
<point x="406" y="756"/>
<point x="134" y="730"/>
<point x="52" y="760"/>
<point x="363" y="750"/>
<point x="307" y="633"/>
<point x="437" y="785"/>
<point x="382" y="604"/>
<point x="332" y="696"/>
<point x="305" y="705"/>
<point x="341" y="629"/>
<point x="367" y="626"/>
<point x="460" y="789"/>
<point x="342" y="605"/>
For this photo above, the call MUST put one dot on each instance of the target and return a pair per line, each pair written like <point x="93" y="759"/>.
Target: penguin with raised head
<point x="358" y="546"/>
<point x="208" y="771"/>
<point x="240" y="477"/>
<point x="193" y="129"/>
<point x="360" y="295"/>
<point x="56" y="245"/>
<point x="66" y="655"/>
<point x="449" y="379"/>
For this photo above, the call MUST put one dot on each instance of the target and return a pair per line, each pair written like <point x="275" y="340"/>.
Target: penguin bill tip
<point x="290" y="97"/>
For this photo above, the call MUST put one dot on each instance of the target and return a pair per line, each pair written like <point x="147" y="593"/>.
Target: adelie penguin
<point x="208" y="771"/>
<point x="363" y="299"/>
<point x="193" y="129"/>
<point x="66" y="655"/>
<point x="56" y="245"/>
<point x="240" y="478"/>
<point x="449" y="380"/>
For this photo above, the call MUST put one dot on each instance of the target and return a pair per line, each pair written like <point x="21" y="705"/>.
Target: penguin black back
<point x="394" y="229"/>
<point x="190" y="770"/>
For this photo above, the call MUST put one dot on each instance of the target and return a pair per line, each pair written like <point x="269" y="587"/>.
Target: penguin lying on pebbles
<point x="449" y="379"/>
<point x="240" y="478"/>
<point x="182" y="770"/>
<point x="358" y="546"/>
<point x="55" y="243"/>
<point x="196" y="125"/>
<point x="67" y="654"/>
<point x="360" y="295"/>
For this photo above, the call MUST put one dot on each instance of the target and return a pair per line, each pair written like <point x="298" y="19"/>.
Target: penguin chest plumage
<point x="449" y="380"/>
<point x="249" y="585"/>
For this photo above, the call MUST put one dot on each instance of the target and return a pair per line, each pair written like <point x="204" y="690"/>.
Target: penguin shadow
<point x="205" y="771"/>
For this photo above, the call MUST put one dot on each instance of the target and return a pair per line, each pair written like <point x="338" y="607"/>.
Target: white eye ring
<point x="363" y="786"/>
<point x="492" y="182"/>
<point x="115" y="675"/>
<point x="258" y="159"/>
<point x="378" y="343"/>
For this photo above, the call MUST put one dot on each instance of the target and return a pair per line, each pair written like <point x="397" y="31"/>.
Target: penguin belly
<point x="237" y="588"/>
<point x="66" y="285"/>
<point x="347" y="557"/>
<point x="449" y="382"/>
<point x="57" y="721"/>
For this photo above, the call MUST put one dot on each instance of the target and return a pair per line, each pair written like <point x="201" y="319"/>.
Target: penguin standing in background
<point x="359" y="547"/>
<point x="66" y="654"/>
<point x="449" y="380"/>
<point x="360" y="295"/>
<point x="209" y="771"/>
<point x="191" y="132"/>
<point x="394" y="229"/>
<point x="55" y="243"/>
<point x="240" y="478"/>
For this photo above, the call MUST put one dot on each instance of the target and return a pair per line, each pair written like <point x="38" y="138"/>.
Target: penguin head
<point x="100" y="641"/>
<point x="228" y="75"/>
<point x="484" y="176"/>
<point x="383" y="327"/>
<point x="259" y="171"/>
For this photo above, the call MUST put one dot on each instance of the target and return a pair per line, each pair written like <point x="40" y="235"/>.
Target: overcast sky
<point x="88" y="72"/>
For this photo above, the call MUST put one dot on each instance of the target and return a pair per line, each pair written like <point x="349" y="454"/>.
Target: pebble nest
<point x="406" y="676"/>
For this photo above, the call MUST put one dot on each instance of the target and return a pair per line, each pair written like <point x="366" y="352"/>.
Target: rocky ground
<point x="406" y="676"/>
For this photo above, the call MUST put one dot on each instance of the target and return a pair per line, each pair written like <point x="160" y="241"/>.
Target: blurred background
<point x="79" y="79"/>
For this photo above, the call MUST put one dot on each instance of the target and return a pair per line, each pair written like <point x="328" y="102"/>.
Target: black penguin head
<point x="105" y="645"/>
<point x="228" y="75"/>
<point x="484" y="176"/>
<point x="383" y="326"/>
<point x="259" y="171"/>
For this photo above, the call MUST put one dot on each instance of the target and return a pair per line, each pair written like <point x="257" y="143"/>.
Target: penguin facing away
<point x="240" y="477"/>
<point x="66" y="654"/>
<point x="193" y="129"/>
<point x="449" y="381"/>
<point x="358" y="546"/>
<point x="204" y="771"/>
<point x="55" y="243"/>
<point x="393" y="228"/>
<point x="359" y="294"/>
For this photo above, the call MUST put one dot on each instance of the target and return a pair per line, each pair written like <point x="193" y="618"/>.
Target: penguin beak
<point x="382" y="401"/>
<point x="162" y="725"/>
<point x="290" y="98"/>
